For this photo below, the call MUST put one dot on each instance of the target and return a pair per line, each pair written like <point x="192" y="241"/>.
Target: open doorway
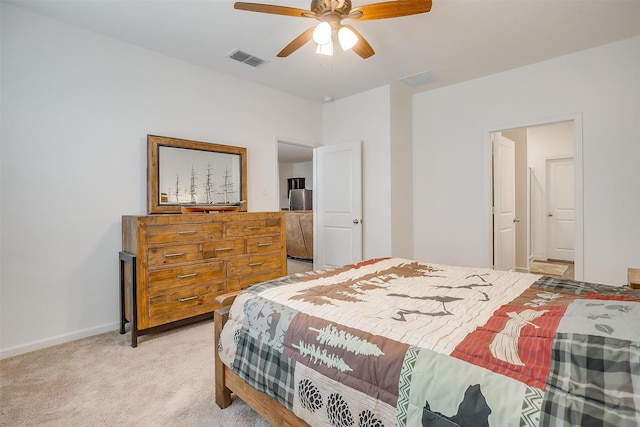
<point x="295" y="166"/>
<point x="537" y="232"/>
<point x="294" y="161"/>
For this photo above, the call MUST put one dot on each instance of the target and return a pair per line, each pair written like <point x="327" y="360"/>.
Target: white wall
<point x="381" y="119"/>
<point x="76" y="109"/>
<point x="401" y="172"/>
<point x="366" y="117"/>
<point x="452" y="161"/>
<point x="285" y="170"/>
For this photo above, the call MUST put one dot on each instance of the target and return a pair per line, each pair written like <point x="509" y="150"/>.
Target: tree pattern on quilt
<point x="333" y="337"/>
<point x="351" y="290"/>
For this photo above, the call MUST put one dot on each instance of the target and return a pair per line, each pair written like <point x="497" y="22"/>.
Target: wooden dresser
<point x="179" y="263"/>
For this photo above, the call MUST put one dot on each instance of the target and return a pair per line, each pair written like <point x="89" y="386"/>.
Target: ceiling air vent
<point x="419" y="79"/>
<point x="248" y="59"/>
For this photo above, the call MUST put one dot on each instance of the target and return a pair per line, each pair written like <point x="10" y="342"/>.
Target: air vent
<point x="254" y="62"/>
<point x="419" y="79"/>
<point x="246" y="58"/>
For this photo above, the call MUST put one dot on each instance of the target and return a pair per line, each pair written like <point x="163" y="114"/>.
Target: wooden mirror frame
<point x="154" y="142"/>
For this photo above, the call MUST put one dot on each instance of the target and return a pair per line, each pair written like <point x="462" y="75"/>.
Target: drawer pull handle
<point x="224" y="249"/>
<point x="256" y="227"/>
<point x="255" y="264"/>
<point x="264" y="244"/>
<point x="188" y="299"/>
<point x="188" y="232"/>
<point x="186" y="276"/>
<point x="174" y="255"/>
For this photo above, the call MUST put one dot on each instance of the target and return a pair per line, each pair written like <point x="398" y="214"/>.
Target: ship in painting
<point x="193" y="189"/>
<point x="226" y="195"/>
<point x="227" y="190"/>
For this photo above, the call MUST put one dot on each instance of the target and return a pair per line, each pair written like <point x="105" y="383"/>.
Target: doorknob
<point x="549" y="214"/>
<point x="355" y="221"/>
<point x="516" y="220"/>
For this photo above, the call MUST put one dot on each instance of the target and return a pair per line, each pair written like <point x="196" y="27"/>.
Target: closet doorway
<point x="546" y="216"/>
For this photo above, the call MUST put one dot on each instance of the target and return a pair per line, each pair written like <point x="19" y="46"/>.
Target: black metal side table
<point x="128" y="258"/>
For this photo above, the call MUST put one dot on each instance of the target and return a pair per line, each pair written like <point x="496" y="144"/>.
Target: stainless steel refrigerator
<point x="300" y="200"/>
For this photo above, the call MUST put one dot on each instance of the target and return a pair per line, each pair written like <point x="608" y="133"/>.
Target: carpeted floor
<point x="102" y="381"/>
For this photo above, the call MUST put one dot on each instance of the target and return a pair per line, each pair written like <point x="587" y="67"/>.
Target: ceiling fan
<point x="330" y="13"/>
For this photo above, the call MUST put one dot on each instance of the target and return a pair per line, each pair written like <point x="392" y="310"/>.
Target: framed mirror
<point x="185" y="175"/>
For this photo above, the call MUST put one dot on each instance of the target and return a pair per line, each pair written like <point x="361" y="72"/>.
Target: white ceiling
<point x="458" y="40"/>
<point x="293" y="153"/>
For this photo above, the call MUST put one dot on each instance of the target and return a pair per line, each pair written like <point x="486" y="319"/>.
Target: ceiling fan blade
<point x="276" y="10"/>
<point x="296" y="43"/>
<point x="390" y="9"/>
<point x="362" y="48"/>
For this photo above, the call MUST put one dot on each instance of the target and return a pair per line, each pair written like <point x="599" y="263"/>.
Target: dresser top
<point x="187" y="218"/>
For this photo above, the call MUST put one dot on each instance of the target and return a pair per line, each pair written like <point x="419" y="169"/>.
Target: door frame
<point x="576" y="118"/>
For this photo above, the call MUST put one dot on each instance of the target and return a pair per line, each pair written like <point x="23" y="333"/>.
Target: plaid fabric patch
<point x="582" y="288"/>
<point x="265" y="369"/>
<point x="591" y="382"/>
<point x="259" y="287"/>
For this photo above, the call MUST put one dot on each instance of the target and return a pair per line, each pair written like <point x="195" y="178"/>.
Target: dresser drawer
<point x="263" y="244"/>
<point x="186" y="301"/>
<point x="252" y="228"/>
<point x="253" y="264"/>
<point x="184" y="232"/>
<point x="244" y="282"/>
<point x="166" y="278"/>
<point x="173" y="254"/>
<point x="223" y="248"/>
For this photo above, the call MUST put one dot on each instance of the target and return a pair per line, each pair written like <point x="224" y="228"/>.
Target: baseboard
<point x="60" y="339"/>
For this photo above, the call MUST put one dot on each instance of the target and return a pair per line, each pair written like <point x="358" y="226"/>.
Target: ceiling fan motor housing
<point x="322" y="7"/>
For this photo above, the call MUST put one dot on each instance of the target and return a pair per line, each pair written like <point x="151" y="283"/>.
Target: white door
<point x="560" y="209"/>
<point x="504" y="203"/>
<point x="337" y="205"/>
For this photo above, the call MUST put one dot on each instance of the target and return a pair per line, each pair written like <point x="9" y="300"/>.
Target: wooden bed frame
<point x="228" y="382"/>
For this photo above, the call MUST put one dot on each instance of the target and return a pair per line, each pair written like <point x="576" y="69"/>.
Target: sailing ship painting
<point x="194" y="177"/>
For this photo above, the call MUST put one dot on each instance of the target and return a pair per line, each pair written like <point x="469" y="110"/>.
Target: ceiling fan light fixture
<point x="347" y="38"/>
<point x="322" y="33"/>
<point x="330" y="13"/>
<point x="325" y="49"/>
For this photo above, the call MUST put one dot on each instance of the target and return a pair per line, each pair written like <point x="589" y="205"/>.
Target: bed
<point x="399" y="342"/>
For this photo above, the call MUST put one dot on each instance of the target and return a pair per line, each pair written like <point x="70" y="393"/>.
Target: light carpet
<point x="102" y="381"/>
<point x="547" y="268"/>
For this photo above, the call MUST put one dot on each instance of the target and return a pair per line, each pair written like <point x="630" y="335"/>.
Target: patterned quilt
<point x="397" y="342"/>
